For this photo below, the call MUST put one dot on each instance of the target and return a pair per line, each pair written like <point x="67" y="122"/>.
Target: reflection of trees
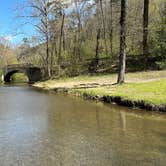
<point x="123" y="120"/>
<point x="97" y="117"/>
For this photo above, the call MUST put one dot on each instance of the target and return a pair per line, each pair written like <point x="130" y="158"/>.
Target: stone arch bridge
<point x="33" y="73"/>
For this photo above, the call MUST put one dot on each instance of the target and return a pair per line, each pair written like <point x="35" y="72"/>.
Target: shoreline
<point x="119" y="100"/>
<point x="144" y="90"/>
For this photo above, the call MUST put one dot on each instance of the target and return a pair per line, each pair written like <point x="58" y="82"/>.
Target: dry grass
<point x="138" y="77"/>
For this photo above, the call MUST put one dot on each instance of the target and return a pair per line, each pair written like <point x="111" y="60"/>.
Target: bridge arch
<point x="33" y="73"/>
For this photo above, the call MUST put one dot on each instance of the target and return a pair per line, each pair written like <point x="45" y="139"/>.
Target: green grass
<point x="150" y="92"/>
<point x="149" y="86"/>
<point x="19" y="78"/>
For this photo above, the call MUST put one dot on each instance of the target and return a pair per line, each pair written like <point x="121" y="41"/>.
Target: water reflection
<point x="97" y="117"/>
<point x="45" y="129"/>
<point x="123" y="120"/>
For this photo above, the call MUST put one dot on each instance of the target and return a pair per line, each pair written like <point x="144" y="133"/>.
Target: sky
<point x="12" y="28"/>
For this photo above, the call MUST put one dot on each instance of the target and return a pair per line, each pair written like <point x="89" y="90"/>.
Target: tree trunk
<point x="97" y="50"/>
<point x="122" y="56"/>
<point x="48" y="71"/>
<point x="60" y="40"/>
<point x="111" y="27"/>
<point x="97" y="37"/>
<point x="145" y="27"/>
<point x="104" y="25"/>
<point x="64" y="43"/>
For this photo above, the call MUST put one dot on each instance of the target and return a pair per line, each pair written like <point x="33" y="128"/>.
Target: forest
<point x="75" y="37"/>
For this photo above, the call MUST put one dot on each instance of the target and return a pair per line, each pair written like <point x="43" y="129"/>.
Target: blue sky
<point x="9" y="25"/>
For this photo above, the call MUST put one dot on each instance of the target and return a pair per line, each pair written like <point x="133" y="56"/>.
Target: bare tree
<point x="40" y="16"/>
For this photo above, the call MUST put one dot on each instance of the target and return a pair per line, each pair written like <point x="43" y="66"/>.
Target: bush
<point x="161" y="65"/>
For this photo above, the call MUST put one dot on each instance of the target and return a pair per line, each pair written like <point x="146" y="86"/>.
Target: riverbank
<point x="145" y="90"/>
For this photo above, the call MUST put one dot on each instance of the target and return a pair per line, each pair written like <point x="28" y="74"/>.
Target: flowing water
<point x="45" y="129"/>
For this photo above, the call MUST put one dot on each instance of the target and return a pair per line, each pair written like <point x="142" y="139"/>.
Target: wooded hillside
<point x="76" y="34"/>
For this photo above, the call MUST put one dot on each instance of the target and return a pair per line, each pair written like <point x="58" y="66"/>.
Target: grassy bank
<point x="149" y="87"/>
<point x="150" y="92"/>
